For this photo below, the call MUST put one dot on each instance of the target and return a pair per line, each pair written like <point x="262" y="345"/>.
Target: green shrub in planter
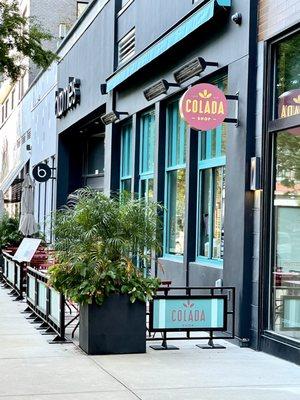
<point x="9" y="232"/>
<point x="98" y="243"/>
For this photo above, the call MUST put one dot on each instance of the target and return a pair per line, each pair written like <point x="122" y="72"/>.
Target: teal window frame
<point x="146" y="170"/>
<point x="126" y="155"/>
<point x="146" y="164"/>
<point x="175" y="159"/>
<point x="210" y="158"/>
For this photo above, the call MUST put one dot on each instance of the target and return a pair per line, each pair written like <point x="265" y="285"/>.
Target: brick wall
<point x="50" y="14"/>
<point x="274" y="16"/>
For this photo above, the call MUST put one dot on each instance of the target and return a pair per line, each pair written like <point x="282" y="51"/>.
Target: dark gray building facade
<point x="208" y="222"/>
<point x="116" y="51"/>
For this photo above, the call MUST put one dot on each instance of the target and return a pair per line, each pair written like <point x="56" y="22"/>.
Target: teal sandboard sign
<point x="192" y="313"/>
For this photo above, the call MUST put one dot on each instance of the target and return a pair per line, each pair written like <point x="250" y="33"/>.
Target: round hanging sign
<point x="203" y="107"/>
<point x="41" y="172"/>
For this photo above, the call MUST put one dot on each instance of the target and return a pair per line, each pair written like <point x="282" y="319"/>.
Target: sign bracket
<point x="234" y="97"/>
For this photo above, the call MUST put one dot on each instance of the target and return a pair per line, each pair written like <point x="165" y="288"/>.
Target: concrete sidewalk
<point x="32" y="369"/>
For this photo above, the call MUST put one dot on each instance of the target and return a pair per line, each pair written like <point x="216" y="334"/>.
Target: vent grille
<point x="126" y="47"/>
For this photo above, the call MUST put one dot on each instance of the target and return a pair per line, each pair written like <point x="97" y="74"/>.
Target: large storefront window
<point x="286" y="238"/>
<point x="287" y="102"/>
<point x="211" y="191"/>
<point x="126" y="157"/>
<point x="147" y="145"/>
<point x="175" y="181"/>
<point x="284" y="310"/>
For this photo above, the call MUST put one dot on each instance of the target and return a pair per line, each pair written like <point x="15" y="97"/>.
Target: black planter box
<point x="116" y="327"/>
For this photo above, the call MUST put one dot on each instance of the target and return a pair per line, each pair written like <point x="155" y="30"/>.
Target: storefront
<point x="218" y="225"/>
<point x="84" y="63"/>
<point x="281" y="207"/>
<point x="201" y="178"/>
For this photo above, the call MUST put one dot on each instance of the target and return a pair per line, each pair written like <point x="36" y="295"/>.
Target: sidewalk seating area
<point x="33" y="369"/>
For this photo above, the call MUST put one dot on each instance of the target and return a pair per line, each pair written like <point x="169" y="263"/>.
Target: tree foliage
<point x="98" y="243"/>
<point x="288" y="159"/>
<point x="288" y="64"/>
<point x="20" y="37"/>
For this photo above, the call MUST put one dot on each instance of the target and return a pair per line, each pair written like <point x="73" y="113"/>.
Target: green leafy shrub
<point x="98" y="243"/>
<point x="9" y="232"/>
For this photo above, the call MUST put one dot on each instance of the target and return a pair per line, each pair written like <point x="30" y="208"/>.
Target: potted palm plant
<point x="99" y="243"/>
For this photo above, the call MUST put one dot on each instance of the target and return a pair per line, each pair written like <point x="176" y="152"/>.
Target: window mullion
<point x="174" y="136"/>
<point x="181" y="142"/>
<point x="211" y="213"/>
<point x="200" y="212"/>
<point x="208" y="144"/>
<point x="219" y="141"/>
<point x="145" y="145"/>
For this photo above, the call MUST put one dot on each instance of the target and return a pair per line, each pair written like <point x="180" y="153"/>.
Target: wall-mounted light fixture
<point x="191" y="69"/>
<point x="159" y="88"/>
<point x="103" y="88"/>
<point x="255" y="181"/>
<point x="237" y="18"/>
<point x="112" y="117"/>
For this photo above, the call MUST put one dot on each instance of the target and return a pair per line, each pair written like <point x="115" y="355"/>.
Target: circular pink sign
<point x="203" y="107"/>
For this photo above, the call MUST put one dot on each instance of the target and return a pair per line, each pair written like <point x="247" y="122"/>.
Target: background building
<point x="21" y="114"/>
<point x="87" y="55"/>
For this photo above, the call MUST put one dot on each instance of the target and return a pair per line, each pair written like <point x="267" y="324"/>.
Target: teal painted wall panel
<point x="203" y="15"/>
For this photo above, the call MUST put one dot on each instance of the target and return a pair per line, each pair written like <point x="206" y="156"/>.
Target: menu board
<point x="27" y="249"/>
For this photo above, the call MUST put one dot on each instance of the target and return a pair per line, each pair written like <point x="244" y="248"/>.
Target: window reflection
<point x="286" y="270"/>
<point x="219" y="211"/>
<point x="288" y="77"/>
<point x="212" y="212"/>
<point x="176" y="211"/>
<point x="205" y="211"/>
<point x="175" y="176"/>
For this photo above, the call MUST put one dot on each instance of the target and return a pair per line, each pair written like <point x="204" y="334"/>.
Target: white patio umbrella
<point x="2" y="209"/>
<point x="27" y="226"/>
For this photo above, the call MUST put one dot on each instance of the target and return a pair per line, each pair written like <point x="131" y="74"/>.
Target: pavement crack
<point x="115" y="378"/>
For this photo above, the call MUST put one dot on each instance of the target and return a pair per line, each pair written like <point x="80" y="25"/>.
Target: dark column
<point x="113" y="148"/>
<point x="160" y="151"/>
<point x="159" y="159"/>
<point x="112" y="151"/>
<point x="62" y="172"/>
<point x="135" y="154"/>
<point x="190" y="228"/>
<point x="238" y="249"/>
